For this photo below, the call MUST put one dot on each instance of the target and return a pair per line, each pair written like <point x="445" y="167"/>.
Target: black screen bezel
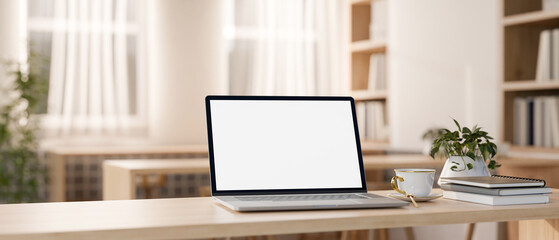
<point x="215" y="192"/>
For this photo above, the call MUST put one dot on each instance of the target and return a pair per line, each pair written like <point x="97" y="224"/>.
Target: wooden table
<point x="119" y="175"/>
<point x="189" y="218"/>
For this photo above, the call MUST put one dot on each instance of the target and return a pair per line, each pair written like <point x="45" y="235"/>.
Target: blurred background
<point x="84" y="81"/>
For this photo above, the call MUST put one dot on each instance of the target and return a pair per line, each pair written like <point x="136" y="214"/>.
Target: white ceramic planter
<point x="480" y="168"/>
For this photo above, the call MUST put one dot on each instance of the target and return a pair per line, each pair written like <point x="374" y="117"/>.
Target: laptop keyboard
<point x="302" y="197"/>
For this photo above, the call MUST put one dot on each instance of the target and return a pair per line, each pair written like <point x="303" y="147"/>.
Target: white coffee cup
<point x="416" y="182"/>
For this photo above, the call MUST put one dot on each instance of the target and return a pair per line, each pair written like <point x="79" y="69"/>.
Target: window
<point x="287" y="47"/>
<point x="92" y="48"/>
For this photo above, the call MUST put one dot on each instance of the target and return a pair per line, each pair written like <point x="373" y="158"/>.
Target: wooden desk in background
<point x="195" y="218"/>
<point x="119" y="176"/>
<point x="57" y="159"/>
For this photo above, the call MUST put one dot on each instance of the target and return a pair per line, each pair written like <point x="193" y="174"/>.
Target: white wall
<point x="187" y="61"/>
<point x="443" y="63"/>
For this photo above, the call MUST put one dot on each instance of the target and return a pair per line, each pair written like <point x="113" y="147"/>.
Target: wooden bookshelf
<point x="361" y="46"/>
<point x="521" y="25"/>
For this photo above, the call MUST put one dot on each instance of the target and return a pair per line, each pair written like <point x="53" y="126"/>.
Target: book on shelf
<point x="373" y="72"/>
<point x="382" y="72"/>
<point x="547" y="66"/>
<point x="496" y="200"/>
<point x="520" y="122"/>
<point x="377" y="72"/>
<point x="554" y="112"/>
<point x="550" y="4"/>
<point x="536" y="121"/>
<point x="376" y="127"/>
<point x="554" y="54"/>
<point x="380" y="124"/>
<point x="495" y="191"/>
<point x="371" y="130"/>
<point x="361" y="112"/>
<point x="378" y="25"/>
<point x="495" y="181"/>
<point x="547" y="105"/>
<point x="530" y="102"/>
<point x="543" y="67"/>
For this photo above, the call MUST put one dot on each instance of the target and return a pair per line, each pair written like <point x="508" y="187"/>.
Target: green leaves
<point x="471" y="155"/>
<point x="465" y="142"/>
<point x="457" y="124"/>
<point x="21" y="172"/>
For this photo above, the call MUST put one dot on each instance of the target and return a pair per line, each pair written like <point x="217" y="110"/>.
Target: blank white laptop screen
<point x="271" y="145"/>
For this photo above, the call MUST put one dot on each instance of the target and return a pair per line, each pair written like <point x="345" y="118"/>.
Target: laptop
<point x="287" y="153"/>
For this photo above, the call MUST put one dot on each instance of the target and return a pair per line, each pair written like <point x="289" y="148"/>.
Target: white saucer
<point x="417" y="199"/>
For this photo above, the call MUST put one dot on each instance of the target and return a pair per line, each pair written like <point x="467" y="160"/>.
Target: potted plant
<point x="466" y="152"/>
<point x="21" y="171"/>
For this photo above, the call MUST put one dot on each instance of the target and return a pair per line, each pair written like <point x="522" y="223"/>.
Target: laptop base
<point x="372" y="201"/>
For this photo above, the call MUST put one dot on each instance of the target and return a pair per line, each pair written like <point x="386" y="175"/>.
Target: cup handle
<point x="395" y="186"/>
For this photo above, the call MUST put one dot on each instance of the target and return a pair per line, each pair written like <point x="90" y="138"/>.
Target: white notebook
<point x="495" y="181"/>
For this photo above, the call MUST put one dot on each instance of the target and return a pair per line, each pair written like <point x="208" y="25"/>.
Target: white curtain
<point x="93" y="84"/>
<point x="289" y="47"/>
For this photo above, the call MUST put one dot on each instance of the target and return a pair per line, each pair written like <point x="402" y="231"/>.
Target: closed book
<point x="379" y="121"/>
<point x="543" y="67"/>
<point x="495" y="181"/>
<point x="520" y="121"/>
<point x="381" y="66"/>
<point x="378" y="24"/>
<point x="361" y="112"/>
<point x="538" y="121"/>
<point x="548" y="105"/>
<point x="496" y="200"/>
<point x="530" y="104"/>
<point x="495" y="191"/>
<point x="373" y="72"/>
<point x="555" y="122"/>
<point x="549" y="4"/>
<point x="371" y="128"/>
<point x="555" y="53"/>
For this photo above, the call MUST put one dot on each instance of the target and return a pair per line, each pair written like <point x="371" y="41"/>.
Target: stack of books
<point x="496" y="190"/>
